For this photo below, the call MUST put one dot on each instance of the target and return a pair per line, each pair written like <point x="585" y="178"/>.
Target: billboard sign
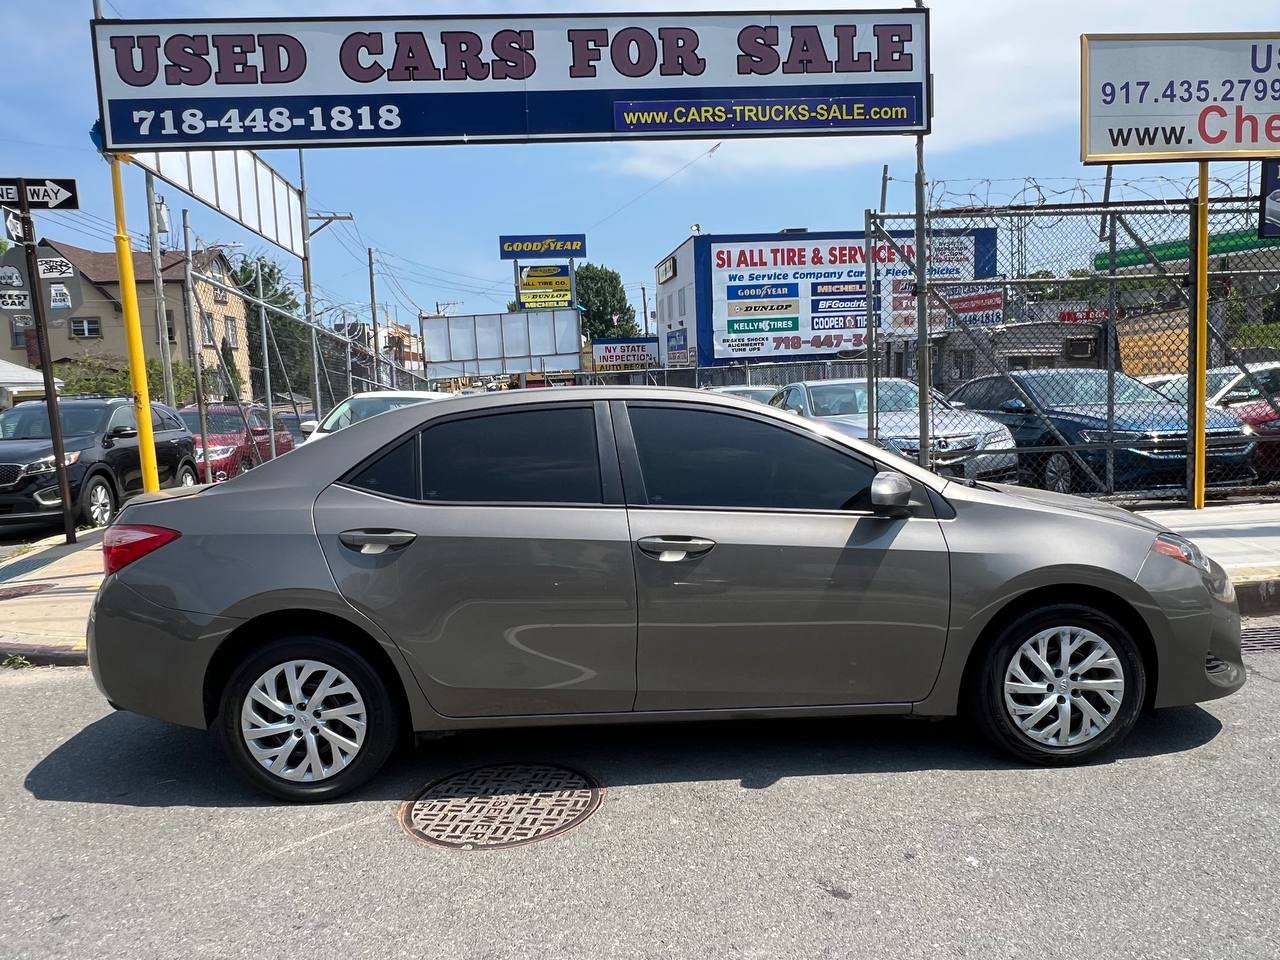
<point x="545" y="277"/>
<point x="311" y="82"/>
<point x="625" y="353"/>
<point x="781" y="295"/>
<point x="678" y="347"/>
<point x="1193" y="96"/>
<point x="502" y="343"/>
<point x="551" y="246"/>
<point x="976" y="305"/>
<point x="1269" y="209"/>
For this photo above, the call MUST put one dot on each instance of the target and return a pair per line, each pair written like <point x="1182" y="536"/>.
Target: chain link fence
<point x="1073" y="354"/>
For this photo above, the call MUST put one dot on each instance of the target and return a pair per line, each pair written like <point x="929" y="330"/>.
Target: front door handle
<point x="375" y="542"/>
<point x="671" y="549"/>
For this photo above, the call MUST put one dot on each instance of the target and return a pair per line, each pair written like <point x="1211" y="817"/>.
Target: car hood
<point x="1080" y="505"/>
<point x="947" y="422"/>
<point x="24" y="451"/>
<point x="1156" y="417"/>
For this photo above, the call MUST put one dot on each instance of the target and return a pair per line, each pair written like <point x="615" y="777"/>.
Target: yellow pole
<point x="1202" y="333"/>
<point x="133" y="333"/>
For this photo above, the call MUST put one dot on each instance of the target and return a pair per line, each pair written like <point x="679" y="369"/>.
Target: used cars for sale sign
<point x="168" y="85"/>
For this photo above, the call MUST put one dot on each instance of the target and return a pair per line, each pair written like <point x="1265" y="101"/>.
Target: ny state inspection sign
<point x="171" y="85"/>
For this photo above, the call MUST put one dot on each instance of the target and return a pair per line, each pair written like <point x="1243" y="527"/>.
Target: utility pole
<point x="373" y="315"/>
<point x="422" y="347"/>
<point x="307" y="297"/>
<point x="157" y="290"/>
<point x="46" y="363"/>
<point x="644" y="299"/>
<point x="266" y="355"/>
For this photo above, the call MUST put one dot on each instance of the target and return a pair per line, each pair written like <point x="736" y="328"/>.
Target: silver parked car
<point x="965" y="444"/>
<point x="635" y="554"/>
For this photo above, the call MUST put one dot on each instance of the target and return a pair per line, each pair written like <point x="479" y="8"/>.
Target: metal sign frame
<point x="920" y="88"/>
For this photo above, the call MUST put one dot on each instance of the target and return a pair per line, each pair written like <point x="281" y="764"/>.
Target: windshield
<point x="219" y="422"/>
<point x="850" y="397"/>
<point x="30" y="421"/>
<point x="1077" y="388"/>
<point x="763" y="394"/>
<point x="1175" y="388"/>
<point x="355" y="409"/>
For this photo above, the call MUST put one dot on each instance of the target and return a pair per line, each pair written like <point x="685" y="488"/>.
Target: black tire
<point x="381" y="732"/>
<point x="244" y="466"/>
<point x="1057" y="474"/>
<point x="185" y="471"/>
<point x="986" y="694"/>
<point x="93" y="492"/>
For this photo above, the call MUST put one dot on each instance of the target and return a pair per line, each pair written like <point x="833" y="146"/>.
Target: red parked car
<point x="231" y="446"/>
<point x="1259" y="418"/>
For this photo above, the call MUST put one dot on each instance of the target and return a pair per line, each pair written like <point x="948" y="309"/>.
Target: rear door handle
<point x="375" y="542"/>
<point x="671" y="549"/>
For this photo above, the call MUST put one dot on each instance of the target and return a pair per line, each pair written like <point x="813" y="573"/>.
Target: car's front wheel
<point x="1056" y="473"/>
<point x="187" y="476"/>
<point x="97" y="502"/>
<point x="307" y="719"/>
<point x="1060" y="685"/>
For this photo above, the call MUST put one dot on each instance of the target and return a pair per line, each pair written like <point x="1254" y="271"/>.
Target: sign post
<point x="36" y="289"/>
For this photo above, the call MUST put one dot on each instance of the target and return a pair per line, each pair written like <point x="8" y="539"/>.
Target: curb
<point x="45" y="654"/>
<point x="1258" y="598"/>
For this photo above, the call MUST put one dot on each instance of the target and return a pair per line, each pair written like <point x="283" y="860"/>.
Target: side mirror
<point x="123" y="433"/>
<point x="890" y="494"/>
<point x="1013" y="406"/>
<point x="308" y="426"/>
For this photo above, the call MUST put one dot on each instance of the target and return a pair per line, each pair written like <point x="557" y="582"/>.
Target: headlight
<point x="1248" y="430"/>
<point x="46" y="464"/>
<point x="1180" y="548"/>
<point x="215" y="453"/>
<point x="1103" y="436"/>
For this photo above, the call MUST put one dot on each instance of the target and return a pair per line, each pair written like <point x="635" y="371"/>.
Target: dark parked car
<point x="293" y="423"/>
<point x="615" y="554"/>
<point x="103" y="466"/>
<point x="1075" y="402"/>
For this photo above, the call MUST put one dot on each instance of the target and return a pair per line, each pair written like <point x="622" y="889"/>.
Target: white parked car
<point x="1224" y="386"/>
<point x="362" y="406"/>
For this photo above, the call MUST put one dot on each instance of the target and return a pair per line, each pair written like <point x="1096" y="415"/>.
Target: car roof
<point x="402" y="394"/>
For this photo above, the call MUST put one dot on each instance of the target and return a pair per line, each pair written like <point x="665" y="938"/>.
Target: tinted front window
<point x="532" y="456"/>
<point x="696" y="458"/>
<point x="30" y="421"/>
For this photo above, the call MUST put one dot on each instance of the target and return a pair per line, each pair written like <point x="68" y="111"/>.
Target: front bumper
<point x="35" y="499"/>
<point x="1199" y="654"/>
<point x="150" y="659"/>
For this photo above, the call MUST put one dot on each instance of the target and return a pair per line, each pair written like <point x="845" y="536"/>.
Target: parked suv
<point x="233" y="448"/>
<point x="101" y="447"/>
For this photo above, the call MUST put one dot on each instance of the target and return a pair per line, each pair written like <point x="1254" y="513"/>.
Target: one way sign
<point x="42" y="194"/>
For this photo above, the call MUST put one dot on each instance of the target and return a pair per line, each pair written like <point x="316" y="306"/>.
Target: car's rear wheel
<point x="307" y="719"/>
<point x="1060" y="685"/>
<point x="187" y="476"/>
<point x="97" y="502"/>
<point x="245" y="465"/>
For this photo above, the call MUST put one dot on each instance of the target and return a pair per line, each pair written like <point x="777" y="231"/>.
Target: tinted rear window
<point x="533" y="456"/>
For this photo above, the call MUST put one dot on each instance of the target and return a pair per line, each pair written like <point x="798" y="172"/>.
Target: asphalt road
<point x="124" y="837"/>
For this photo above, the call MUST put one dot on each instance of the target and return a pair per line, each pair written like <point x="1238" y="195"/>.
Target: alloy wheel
<point x="303" y="720"/>
<point x="1057" y="474"/>
<point x="99" y="504"/>
<point x="188" y="477"/>
<point x="1064" y="686"/>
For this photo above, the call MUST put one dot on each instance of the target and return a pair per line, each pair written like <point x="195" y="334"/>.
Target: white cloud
<point x="1002" y="69"/>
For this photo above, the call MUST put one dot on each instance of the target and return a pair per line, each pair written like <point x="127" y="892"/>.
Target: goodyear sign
<point x="558" y="246"/>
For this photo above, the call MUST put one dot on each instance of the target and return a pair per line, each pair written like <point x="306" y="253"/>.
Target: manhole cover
<point x="503" y="805"/>
<point x="22" y="590"/>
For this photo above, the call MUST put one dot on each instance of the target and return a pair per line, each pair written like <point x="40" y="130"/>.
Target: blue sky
<point x="1006" y="89"/>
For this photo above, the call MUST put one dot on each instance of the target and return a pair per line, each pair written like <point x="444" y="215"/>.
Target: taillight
<point x="123" y="543"/>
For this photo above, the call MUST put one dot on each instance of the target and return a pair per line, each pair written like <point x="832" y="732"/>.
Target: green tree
<point x="108" y="375"/>
<point x="291" y="346"/>
<point x="230" y="370"/>
<point x="603" y="299"/>
<point x="513" y="306"/>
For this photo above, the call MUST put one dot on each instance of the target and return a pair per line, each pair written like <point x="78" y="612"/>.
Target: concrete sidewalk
<point x="45" y="595"/>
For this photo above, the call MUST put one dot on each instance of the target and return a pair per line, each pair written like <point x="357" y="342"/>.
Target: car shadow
<point x="128" y="760"/>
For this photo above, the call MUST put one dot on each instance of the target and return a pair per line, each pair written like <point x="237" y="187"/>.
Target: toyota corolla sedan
<point x="622" y="554"/>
